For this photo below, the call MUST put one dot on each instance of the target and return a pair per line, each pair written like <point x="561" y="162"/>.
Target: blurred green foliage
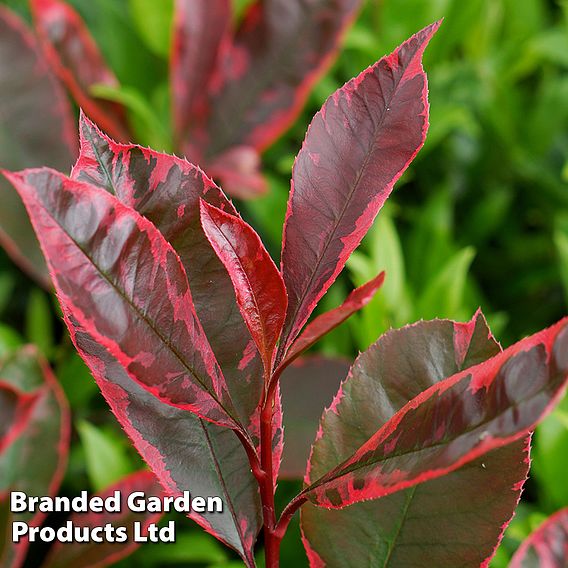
<point x="480" y="219"/>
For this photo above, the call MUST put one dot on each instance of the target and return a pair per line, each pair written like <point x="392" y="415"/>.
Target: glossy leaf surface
<point x="169" y="439"/>
<point x="279" y="51"/>
<point x="547" y="547"/>
<point x="356" y="148"/>
<point x="258" y="285"/>
<point x="122" y="281"/>
<point x="458" y="516"/>
<point x="77" y="61"/>
<point x="167" y="190"/>
<point x="454" y="422"/>
<point x="25" y="140"/>
<point x="89" y="554"/>
<point x="324" y="323"/>
<point x="35" y="461"/>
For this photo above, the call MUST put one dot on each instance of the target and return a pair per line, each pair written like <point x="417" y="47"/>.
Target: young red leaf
<point x="169" y="439"/>
<point x="167" y="190"/>
<point x="16" y="409"/>
<point x="77" y="61"/>
<point x="33" y="141"/>
<point x="323" y="324"/>
<point x="308" y="387"/>
<point x="356" y="148"/>
<point x="258" y="285"/>
<point x="460" y="515"/>
<point x="116" y="274"/>
<point x="199" y="28"/>
<point x="454" y="422"/>
<point x="36" y="460"/>
<point x="265" y="76"/>
<point x="89" y="554"/>
<point x="547" y="546"/>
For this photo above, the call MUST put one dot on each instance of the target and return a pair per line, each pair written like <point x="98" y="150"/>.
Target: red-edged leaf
<point x="167" y="190"/>
<point x="547" y="546"/>
<point x="199" y="28"/>
<point x="16" y="408"/>
<point x="323" y="324"/>
<point x="458" y="516"/>
<point x="308" y="387"/>
<point x="76" y="59"/>
<point x="28" y="141"/>
<point x="184" y="451"/>
<point x="453" y="422"/>
<point x="357" y="146"/>
<point x="259" y="288"/>
<point x="264" y="78"/>
<point x="35" y="461"/>
<point x="121" y="280"/>
<point x="90" y="554"/>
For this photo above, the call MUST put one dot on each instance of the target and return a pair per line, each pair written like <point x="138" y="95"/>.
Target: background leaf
<point x="34" y="130"/>
<point x="35" y="462"/>
<point x="105" y="456"/>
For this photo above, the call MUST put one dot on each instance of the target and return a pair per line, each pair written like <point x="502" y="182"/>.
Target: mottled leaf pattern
<point x="458" y="516"/>
<point x="167" y="190"/>
<point x="324" y="323"/>
<point x="116" y="274"/>
<point x="258" y="285"/>
<point x="356" y="148"/>
<point x="453" y="422"/>
<point x="25" y="140"/>
<point x="265" y="76"/>
<point x="77" y="61"/>
<point x="35" y="461"/>
<point x="547" y="547"/>
<point x="90" y="554"/>
<point x="175" y="305"/>
<point x="184" y="451"/>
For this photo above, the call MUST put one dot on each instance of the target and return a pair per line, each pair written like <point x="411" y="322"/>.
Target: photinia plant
<point x="235" y="88"/>
<point x="188" y="326"/>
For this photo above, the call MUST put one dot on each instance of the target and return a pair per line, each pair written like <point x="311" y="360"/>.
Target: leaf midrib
<point x="249" y="285"/>
<point x="345" y="206"/>
<point x="392" y="544"/>
<point x="100" y="161"/>
<point x="224" y="487"/>
<point x="359" y="465"/>
<point x="142" y="316"/>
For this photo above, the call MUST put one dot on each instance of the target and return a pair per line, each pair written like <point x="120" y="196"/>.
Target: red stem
<point x="271" y="544"/>
<point x="264" y="474"/>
